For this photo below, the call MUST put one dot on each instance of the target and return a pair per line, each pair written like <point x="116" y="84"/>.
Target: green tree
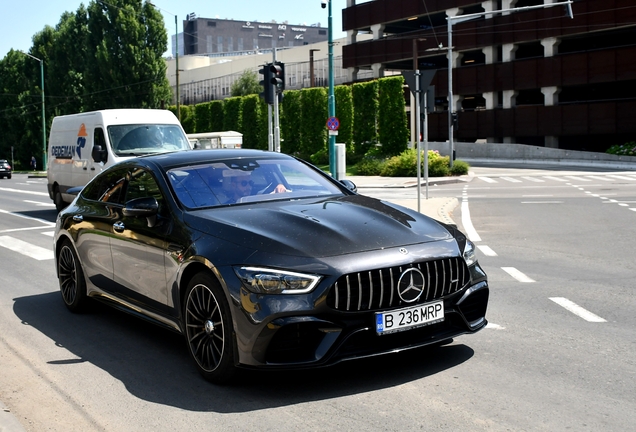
<point x="247" y="84"/>
<point x="126" y="41"/>
<point x="344" y="112"/>
<point x="232" y="112"/>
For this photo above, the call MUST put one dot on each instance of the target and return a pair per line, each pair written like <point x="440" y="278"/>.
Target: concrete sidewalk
<point x="440" y="209"/>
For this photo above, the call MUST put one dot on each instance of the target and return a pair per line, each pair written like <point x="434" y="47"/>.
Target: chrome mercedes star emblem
<point x="411" y="285"/>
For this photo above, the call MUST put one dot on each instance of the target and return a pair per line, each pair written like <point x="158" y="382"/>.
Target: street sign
<point x="426" y="76"/>
<point x="333" y="123"/>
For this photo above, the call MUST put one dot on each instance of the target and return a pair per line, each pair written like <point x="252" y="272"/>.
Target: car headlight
<point x="269" y="281"/>
<point x="469" y="253"/>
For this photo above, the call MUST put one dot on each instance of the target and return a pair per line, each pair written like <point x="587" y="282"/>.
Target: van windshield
<point x="142" y="139"/>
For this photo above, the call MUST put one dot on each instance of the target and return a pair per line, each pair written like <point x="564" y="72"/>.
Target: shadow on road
<point x="154" y="365"/>
<point x="48" y="215"/>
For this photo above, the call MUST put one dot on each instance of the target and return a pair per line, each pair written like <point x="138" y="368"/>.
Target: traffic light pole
<point x="276" y="117"/>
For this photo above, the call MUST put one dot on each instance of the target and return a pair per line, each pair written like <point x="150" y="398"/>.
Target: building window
<point x="209" y="44"/>
<point x="211" y="23"/>
<point x="322" y="32"/>
<point x="240" y="44"/>
<point x="219" y="44"/>
<point x="230" y="44"/>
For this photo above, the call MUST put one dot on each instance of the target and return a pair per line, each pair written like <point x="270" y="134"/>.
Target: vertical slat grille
<point x="376" y="289"/>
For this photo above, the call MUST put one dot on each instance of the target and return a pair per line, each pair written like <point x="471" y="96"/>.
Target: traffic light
<point x="455" y="121"/>
<point x="266" y="82"/>
<point x="277" y="76"/>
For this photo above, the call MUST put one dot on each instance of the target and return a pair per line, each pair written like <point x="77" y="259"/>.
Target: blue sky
<point x="21" y="19"/>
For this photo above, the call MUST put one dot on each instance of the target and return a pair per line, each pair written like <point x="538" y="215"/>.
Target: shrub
<point x="370" y="166"/>
<point x="628" y="149"/>
<point x="459" y="168"/>
<point x="402" y="165"/>
<point x="321" y="157"/>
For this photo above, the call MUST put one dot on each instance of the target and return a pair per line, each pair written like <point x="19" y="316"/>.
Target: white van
<point x="82" y="145"/>
<point x="216" y="140"/>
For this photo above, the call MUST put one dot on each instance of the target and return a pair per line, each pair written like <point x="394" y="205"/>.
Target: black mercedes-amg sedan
<point x="261" y="260"/>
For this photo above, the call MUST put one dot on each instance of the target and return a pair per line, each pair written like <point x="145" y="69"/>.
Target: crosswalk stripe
<point x="27" y="249"/>
<point x="600" y="178"/>
<point x="555" y="178"/>
<point x="578" y="178"/>
<point x="534" y="179"/>
<point x="488" y="179"/>
<point x="620" y="177"/>
<point x="511" y="180"/>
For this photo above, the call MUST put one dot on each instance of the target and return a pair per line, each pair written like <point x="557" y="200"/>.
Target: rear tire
<point x="208" y="329"/>
<point x="58" y="200"/>
<point x="71" y="278"/>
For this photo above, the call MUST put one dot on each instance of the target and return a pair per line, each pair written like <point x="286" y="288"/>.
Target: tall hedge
<point x="313" y="116"/>
<point x="251" y="125"/>
<point x="232" y="108"/>
<point x="365" y="111"/>
<point x="393" y="132"/>
<point x="290" y="122"/>
<point x="216" y="116"/>
<point x="203" y="116"/>
<point x="188" y="118"/>
<point x="344" y="112"/>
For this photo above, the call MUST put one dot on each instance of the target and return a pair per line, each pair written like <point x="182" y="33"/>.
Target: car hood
<point x="318" y="227"/>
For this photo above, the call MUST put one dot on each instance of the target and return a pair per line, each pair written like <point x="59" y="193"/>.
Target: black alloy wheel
<point x="71" y="278"/>
<point x="208" y="326"/>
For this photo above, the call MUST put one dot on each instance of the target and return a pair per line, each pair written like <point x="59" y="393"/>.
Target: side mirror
<point x="141" y="207"/>
<point x="349" y="185"/>
<point x="99" y="154"/>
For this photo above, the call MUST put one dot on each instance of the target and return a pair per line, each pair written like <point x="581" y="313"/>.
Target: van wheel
<point x="58" y="200"/>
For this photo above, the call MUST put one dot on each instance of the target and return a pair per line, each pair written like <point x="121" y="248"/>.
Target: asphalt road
<point x="539" y="366"/>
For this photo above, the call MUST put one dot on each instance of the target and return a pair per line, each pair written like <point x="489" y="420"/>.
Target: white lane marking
<point x="623" y="205"/>
<point x="494" y="326"/>
<point x="577" y="310"/>
<point x="633" y="209"/>
<point x="535" y="196"/>
<point x="541" y="202"/>
<point x="534" y="179"/>
<point x="486" y="250"/>
<point x="468" y="224"/>
<point x="27" y="249"/>
<point x="517" y="274"/>
<point x="40" y="203"/>
<point x="488" y="179"/>
<point x="45" y="222"/>
<point x="578" y="178"/>
<point x="25" y="191"/>
<point x="49" y="233"/>
<point x="555" y="178"/>
<point x="511" y="180"/>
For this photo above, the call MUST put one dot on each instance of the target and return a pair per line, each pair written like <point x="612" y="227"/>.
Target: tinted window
<point x="247" y="180"/>
<point x="107" y="187"/>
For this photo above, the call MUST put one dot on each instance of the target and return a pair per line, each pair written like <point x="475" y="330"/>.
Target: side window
<point x="99" y="140"/>
<point x="142" y="185"/>
<point x="106" y="188"/>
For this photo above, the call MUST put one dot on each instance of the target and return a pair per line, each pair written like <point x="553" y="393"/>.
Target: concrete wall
<point x="521" y="153"/>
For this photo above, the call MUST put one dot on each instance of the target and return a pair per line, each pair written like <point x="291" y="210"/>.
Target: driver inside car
<point x="239" y="184"/>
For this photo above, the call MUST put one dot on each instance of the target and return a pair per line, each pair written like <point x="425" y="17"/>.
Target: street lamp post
<point x="312" y="76"/>
<point x="461" y="18"/>
<point x="43" y="111"/>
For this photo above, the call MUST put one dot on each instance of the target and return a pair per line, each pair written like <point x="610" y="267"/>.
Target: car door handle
<point x="119" y="226"/>
<point x="78" y="218"/>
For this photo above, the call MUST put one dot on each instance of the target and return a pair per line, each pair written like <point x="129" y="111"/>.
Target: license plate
<point x="409" y="318"/>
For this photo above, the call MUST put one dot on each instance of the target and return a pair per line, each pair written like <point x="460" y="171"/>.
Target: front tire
<point x="71" y="278"/>
<point x="208" y="329"/>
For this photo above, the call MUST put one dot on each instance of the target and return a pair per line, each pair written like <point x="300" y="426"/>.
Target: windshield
<point x="141" y="139"/>
<point x="247" y="181"/>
